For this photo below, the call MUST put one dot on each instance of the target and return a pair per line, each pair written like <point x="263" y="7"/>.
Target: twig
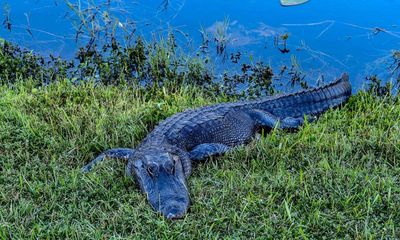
<point x="329" y="22"/>
<point x="374" y="30"/>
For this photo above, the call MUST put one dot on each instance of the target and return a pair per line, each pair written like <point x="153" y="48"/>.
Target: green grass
<point x="335" y="178"/>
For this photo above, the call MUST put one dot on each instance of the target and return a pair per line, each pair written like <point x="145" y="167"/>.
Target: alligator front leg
<point x="268" y="120"/>
<point x="206" y="150"/>
<point x="119" y="153"/>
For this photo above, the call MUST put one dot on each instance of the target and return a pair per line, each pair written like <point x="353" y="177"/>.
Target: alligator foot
<point x="265" y="119"/>
<point x="120" y="153"/>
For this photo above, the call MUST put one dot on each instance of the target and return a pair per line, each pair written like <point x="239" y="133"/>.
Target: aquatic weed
<point x="395" y="67"/>
<point x="376" y="86"/>
<point x="7" y="19"/>
<point x="221" y="35"/>
<point x="147" y="66"/>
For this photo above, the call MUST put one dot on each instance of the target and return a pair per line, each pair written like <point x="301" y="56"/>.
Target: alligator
<point x="162" y="162"/>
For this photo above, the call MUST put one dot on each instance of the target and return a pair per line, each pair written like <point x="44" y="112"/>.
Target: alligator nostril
<point x="174" y="212"/>
<point x="171" y="216"/>
<point x="174" y="216"/>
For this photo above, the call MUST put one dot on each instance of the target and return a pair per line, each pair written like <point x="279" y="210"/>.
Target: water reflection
<point x="322" y="38"/>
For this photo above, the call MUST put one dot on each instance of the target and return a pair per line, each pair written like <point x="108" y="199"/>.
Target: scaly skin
<point x="163" y="161"/>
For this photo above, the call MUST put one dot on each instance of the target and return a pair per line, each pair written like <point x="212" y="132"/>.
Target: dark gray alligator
<point x="163" y="161"/>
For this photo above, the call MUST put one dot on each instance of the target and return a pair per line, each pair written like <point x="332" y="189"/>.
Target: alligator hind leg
<point x="206" y="150"/>
<point x="120" y="153"/>
<point x="268" y="120"/>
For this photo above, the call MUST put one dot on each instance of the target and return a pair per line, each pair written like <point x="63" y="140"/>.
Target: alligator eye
<point x="170" y="167"/>
<point x="152" y="169"/>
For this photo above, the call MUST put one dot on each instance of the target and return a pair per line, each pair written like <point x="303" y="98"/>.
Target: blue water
<point x="326" y="37"/>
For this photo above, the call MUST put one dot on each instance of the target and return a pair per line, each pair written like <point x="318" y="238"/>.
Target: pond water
<point x="325" y="37"/>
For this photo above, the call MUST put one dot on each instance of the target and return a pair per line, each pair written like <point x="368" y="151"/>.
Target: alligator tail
<point x="308" y="102"/>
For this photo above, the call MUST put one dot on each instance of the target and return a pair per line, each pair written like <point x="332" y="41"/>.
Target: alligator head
<point x="161" y="177"/>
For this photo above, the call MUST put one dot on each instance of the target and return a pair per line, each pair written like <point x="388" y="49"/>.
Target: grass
<point x="335" y="178"/>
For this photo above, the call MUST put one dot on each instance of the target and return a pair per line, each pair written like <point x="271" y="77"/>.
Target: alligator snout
<point x="175" y="210"/>
<point x="175" y="213"/>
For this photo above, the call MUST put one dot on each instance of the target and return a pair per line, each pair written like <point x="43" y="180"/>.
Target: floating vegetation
<point x="282" y="40"/>
<point x="292" y="2"/>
